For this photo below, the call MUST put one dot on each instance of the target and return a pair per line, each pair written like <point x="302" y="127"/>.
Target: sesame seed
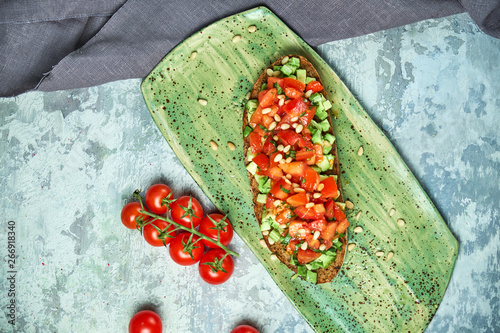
<point x="202" y="101"/>
<point x="252" y="28"/>
<point x="285" y="126"/>
<point x="236" y="38"/>
<point x="310" y="205"/>
<point x="214" y="145"/>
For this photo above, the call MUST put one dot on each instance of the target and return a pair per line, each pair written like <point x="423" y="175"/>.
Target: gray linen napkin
<point x="71" y="44"/>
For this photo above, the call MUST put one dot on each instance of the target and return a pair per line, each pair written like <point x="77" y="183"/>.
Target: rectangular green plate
<point x="373" y="292"/>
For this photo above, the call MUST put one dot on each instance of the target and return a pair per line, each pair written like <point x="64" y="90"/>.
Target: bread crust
<point x="324" y="275"/>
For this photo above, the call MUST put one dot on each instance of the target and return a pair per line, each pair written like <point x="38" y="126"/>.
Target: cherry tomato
<point x="131" y="215"/>
<point x="214" y="269"/>
<point x="185" y="252"/>
<point x="244" y="329"/>
<point x="157" y="198"/>
<point x="214" y="226"/>
<point x="186" y="208"/>
<point x="145" y="321"/>
<point x="153" y="237"/>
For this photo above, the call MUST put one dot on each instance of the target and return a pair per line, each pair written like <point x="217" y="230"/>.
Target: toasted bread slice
<point x="324" y="275"/>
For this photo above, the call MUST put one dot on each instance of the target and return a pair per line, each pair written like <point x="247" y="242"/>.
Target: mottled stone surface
<point x="71" y="159"/>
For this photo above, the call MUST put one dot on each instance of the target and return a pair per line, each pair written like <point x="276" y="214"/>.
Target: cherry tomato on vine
<point x="158" y="196"/>
<point x="244" y="329"/>
<point x="130" y="215"/>
<point x="155" y="238"/>
<point x="216" y="267"/>
<point x="145" y="321"/>
<point x="214" y="226"/>
<point x="185" y="249"/>
<point x="185" y="209"/>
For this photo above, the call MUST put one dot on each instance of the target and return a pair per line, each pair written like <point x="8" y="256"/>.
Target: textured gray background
<point x="71" y="159"/>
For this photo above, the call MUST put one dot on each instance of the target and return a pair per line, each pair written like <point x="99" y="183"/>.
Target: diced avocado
<point x="316" y="168"/>
<point x="327" y="105"/>
<point x="248" y="129"/>
<point x="275" y="235"/>
<point x="293" y="261"/>
<point x="325" y="165"/>
<point x="251" y="105"/>
<point x="316" y="136"/>
<point x="311" y="277"/>
<point x="265" y="226"/>
<point x="330" y="138"/>
<point x="263" y="87"/>
<point x="341" y="205"/>
<point x="301" y="75"/>
<point x="294" y="62"/>
<point x="277" y="68"/>
<point x="250" y="156"/>
<point x="261" y="198"/>
<point x="264" y="183"/>
<point x="326" y="260"/>
<point x="309" y="79"/>
<point x="292" y="76"/>
<point x="302" y="270"/>
<point x="288" y="69"/>
<point x="315" y="98"/>
<point x="321" y="112"/>
<point x="252" y="167"/>
<point x="324" y="125"/>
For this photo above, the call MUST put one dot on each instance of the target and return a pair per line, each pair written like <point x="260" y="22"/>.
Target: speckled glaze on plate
<point x="373" y="292"/>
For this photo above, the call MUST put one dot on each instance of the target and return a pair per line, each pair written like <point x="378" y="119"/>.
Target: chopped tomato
<point x="292" y="93"/>
<point x="295" y="107"/>
<point x="270" y="202"/>
<point x="289" y="82"/>
<point x="313" y="213"/>
<point x="330" y="189"/>
<point x="256" y="116"/>
<point x="312" y="243"/>
<point x="274" y="173"/>
<point x="293" y="168"/>
<point x="266" y="120"/>
<point x="329" y="205"/>
<point x="306" y="118"/>
<point x="338" y="214"/>
<point x="269" y="146"/>
<point x="284" y="216"/>
<point x="271" y="80"/>
<point x="342" y="227"/>
<point x="261" y="131"/>
<point x="262" y="161"/>
<point x="298" y="199"/>
<point x="291" y="248"/>
<point x="273" y="160"/>
<point x="290" y="137"/>
<point x="266" y="97"/>
<point x="310" y="180"/>
<point x="314" y="86"/>
<point x="281" y="189"/>
<point x="329" y="232"/>
<point x="255" y="142"/>
<point x="319" y="225"/>
<point x="304" y="154"/>
<point x="306" y="256"/>
<point x="319" y="152"/>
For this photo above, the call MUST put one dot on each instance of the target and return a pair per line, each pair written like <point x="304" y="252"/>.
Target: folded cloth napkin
<point x="61" y="44"/>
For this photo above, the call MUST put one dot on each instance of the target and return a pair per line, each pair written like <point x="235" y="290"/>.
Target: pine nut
<point x="304" y="246"/>
<point x="322" y="247"/>
<point x="280" y="147"/>
<point x="294" y="125"/>
<point x="273" y="257"/>
<point x="247" y="96"/>
<point x="390" y="255"/>
<point x="236" y="38"/>
<point x="349" y="205"/>
<point x="252" y="28"/>
<point x="308" y="94"/>
<point x="270" y="240"/>
<point x="351" y="246"/>
<point x="285" y="126"/>
<point x="278" y="158"/>
<point x="401" y="222"/>
<point x="193" y="55"/>
<point x="214" y="145"/>
<point x="294" y="119"/>
<point x="272" y="126"/>
<point x="231" y="146"/>
<point x="277" y="117"/>
<point x="358" y="230"/>
<point x="287" y="181"/>
<point x="285" y="60"/>
<point x="277" y="202"/>
<point x="202" y="101"/>
<point x="321" y="186"/>
<point x="316" y="195"/>
<point x="316" y="234"/>
<point x="310" y="205"/>
<point x="266" y="110"/>
<point x="287" y="149"/>
<point x="358" y="215"/>
<point x="392" y="211"/>
<point x="379" y="253"/>
<point x="281" y="102"/>
<point x="288" y="176"/>
<point x="282" y="162"/>
<point x="299" y="128"/>
<point x="326" y="143"/>
<point x="265" y="232"/>
<point x="360" y="151"/>
<point x="298" y="189"/>
<point x="276" y="138"/>
<point x="263" y="243"/>
<point x="295" y="185"/>
<point x="288" y="160"/>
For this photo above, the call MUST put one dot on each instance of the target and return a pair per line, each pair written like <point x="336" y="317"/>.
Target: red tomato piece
<point x="330" y="189"/>
<point x="314" y="86"/>
<point x="262" y="161"/>
<point x="319" y="152"/>
<point x="284" y="216"/>
<point x="306" y="256"/>
<point x="313" y="213"/>
<point x="329" y="232"/>
<point x="271" y="80"/>
<point x="281" y="189"/>
<point x="338" y="214"/>
<point x="298" y="199"/>
<point x="256" y="116"/>
<point x="293" y="83"/>
<point x="292" y="93"/>
<point x="304" y="154"/>
<point x="270" y="201"/>
<point x="343" y="225"/>
<point x="266" y="97"/>
<point x="290" y="137"/>
<point x="269" y="146"/>
<point x="293" y="168"/>
<point x="310" y="179"/>
<point x="131" y="216"/>
<point x="329" y="206"/>
<point x="319" y="225"/>
<point x="295" y="226"/>
<point x="255" y="142"/>
<point x="274" y="173"/>
<point x="295" y="107"/>
<point x="291" y="247"/>
<point x="306" y="119"/>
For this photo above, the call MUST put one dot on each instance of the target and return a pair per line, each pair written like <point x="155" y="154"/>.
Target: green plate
<point x="373" y="292"/>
